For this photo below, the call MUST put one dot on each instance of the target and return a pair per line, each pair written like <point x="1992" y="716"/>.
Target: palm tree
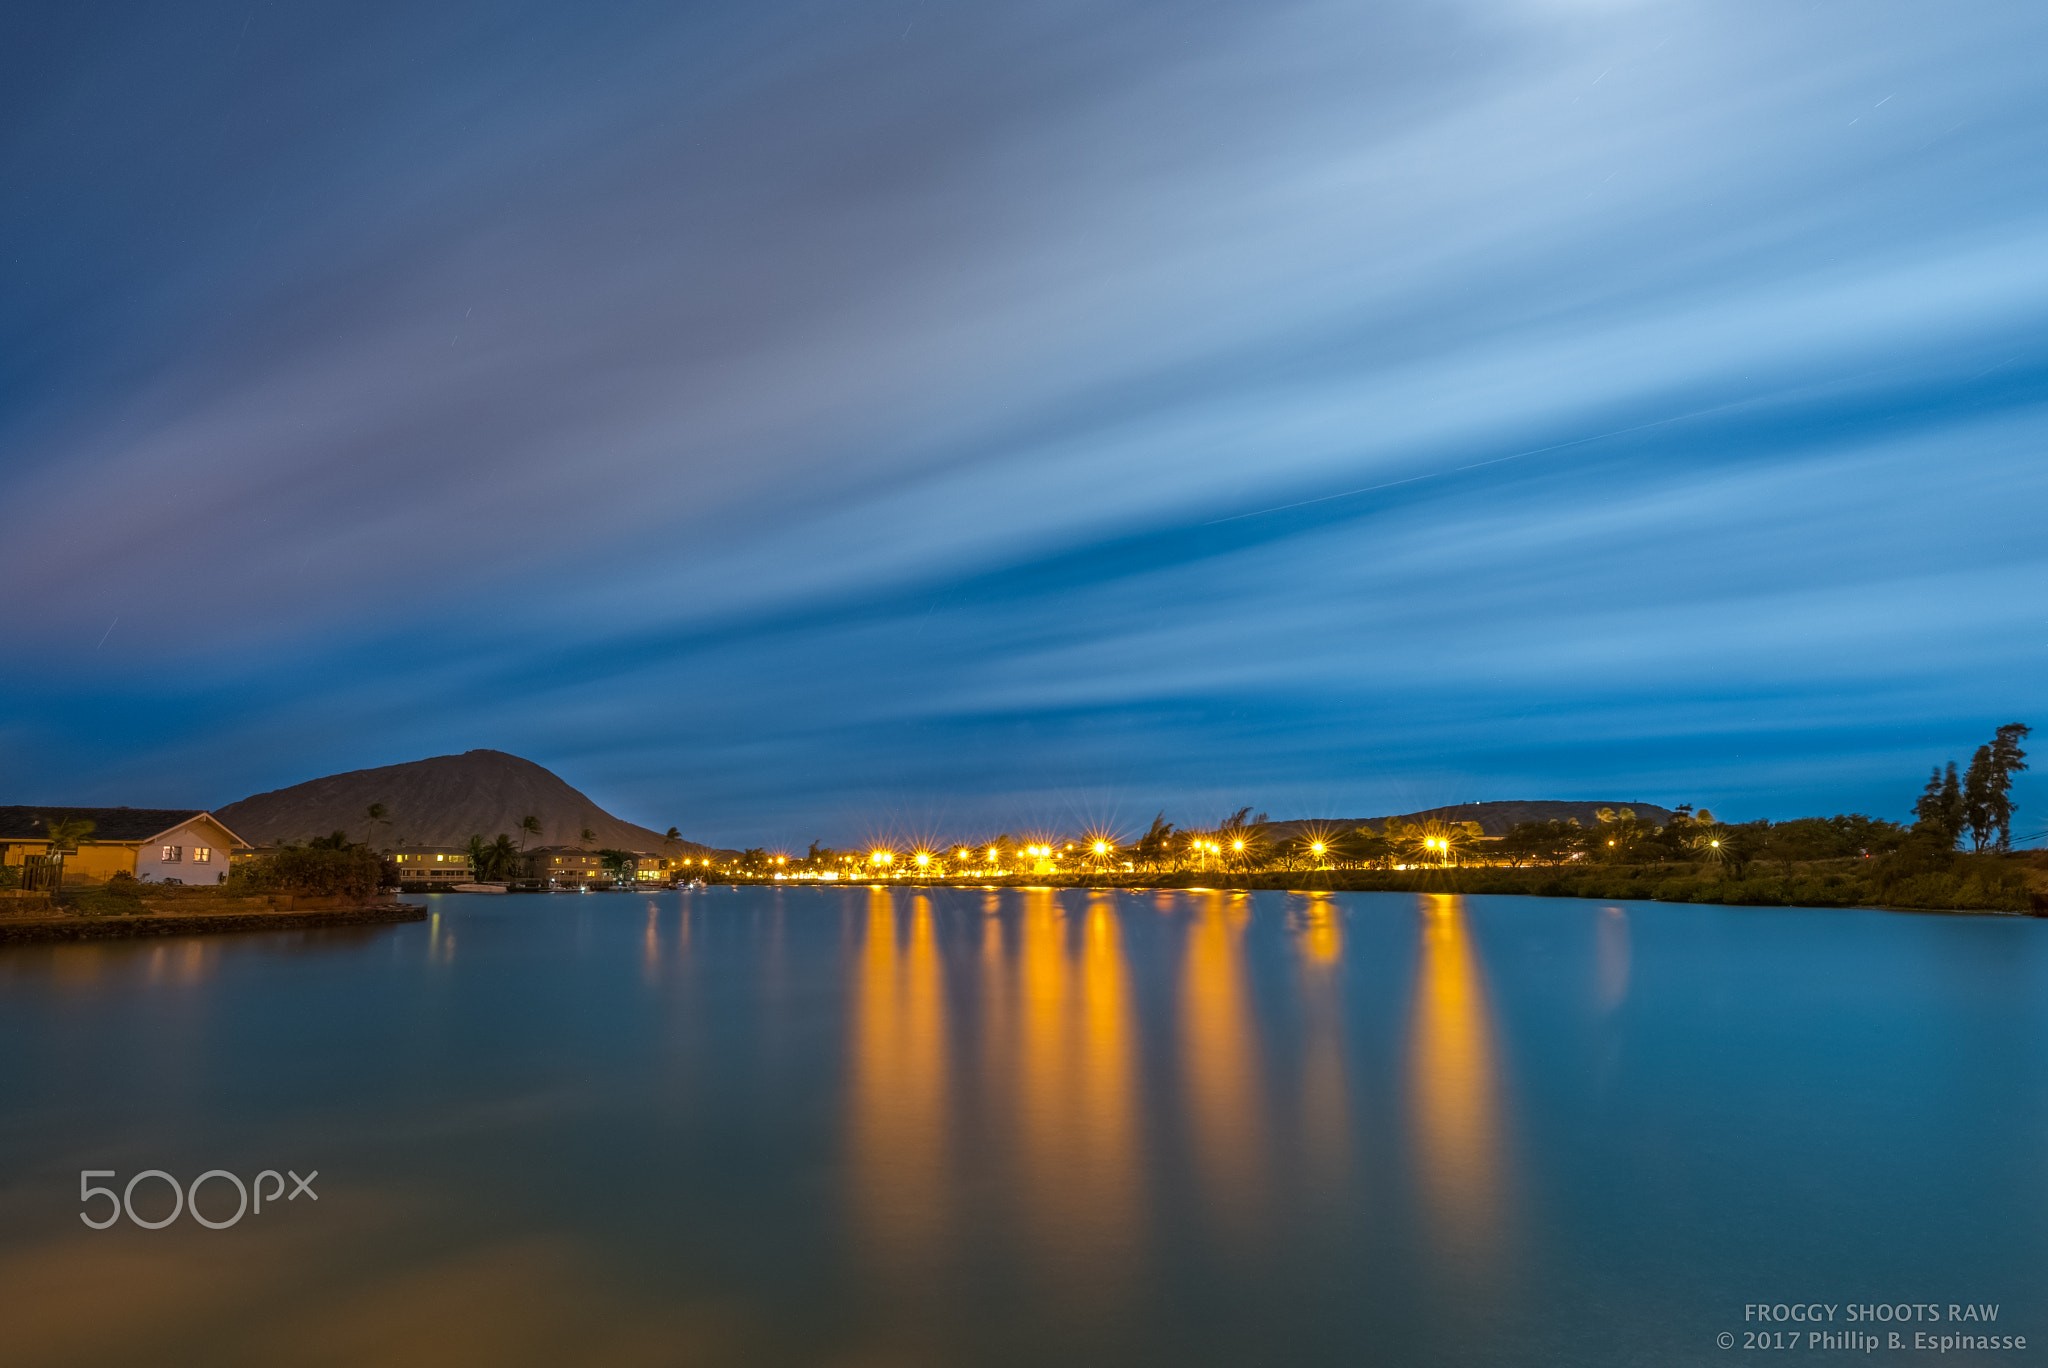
<point x="479" y="856"/>
<point x="504" y="857"/>
<point x="1433" y="842"/>
<point x="375" y="815"/>
<point x="529" y="825"/>
<point x="64" y="834"/>
<point x="586" y="837"/>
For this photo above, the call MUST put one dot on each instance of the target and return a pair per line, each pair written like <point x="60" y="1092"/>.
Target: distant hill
<point x="1494" y="818"/>
<point x="442" y="801"/>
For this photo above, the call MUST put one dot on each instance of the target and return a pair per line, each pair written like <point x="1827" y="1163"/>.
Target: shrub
<point x="350" y="873"/>
<point x="120" y="896"/>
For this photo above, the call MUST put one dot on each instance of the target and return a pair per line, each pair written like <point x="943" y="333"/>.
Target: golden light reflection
<point x="1219" y="1061"/>
<point x="1325" y="1093"/>
<point x="1455" y="1081"/>
<point x="898" y="1122"/>
<point x="1076" y="1104"/>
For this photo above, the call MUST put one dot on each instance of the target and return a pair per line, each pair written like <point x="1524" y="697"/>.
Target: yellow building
<point x="162" y="845"/>
<point x="656" y="868"/>
<point x="429" y="867"/>
<point x="565" y="867"/>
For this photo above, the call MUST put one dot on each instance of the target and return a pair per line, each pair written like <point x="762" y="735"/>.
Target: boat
<point x="478" y="888"/>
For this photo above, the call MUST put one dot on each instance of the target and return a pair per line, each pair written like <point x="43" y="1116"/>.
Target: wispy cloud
<point x="763" y="414"/>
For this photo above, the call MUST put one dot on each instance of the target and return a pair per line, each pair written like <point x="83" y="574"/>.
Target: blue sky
<point x="792" y="421"/>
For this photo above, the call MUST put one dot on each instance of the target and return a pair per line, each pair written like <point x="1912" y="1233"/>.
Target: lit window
<point x="202" y="854"/>
<point x="173" y="854"/>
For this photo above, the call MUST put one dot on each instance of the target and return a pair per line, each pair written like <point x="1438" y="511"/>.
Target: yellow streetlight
<point x="1102" y="847"/>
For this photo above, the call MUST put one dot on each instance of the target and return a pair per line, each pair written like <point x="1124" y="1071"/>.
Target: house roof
<point x="123" y="824"/>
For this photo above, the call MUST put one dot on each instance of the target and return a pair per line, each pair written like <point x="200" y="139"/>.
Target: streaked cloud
<point x="769" y="415"/>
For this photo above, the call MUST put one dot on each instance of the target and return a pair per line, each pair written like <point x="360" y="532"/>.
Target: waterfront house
<point x="654" y="868"/>
<point x="565" y="867"/>
<point x="164" y="845"/>
<point x="430" y="867"/>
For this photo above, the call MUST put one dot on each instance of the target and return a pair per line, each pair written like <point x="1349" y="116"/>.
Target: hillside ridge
<point x="441" y="801"/>
<point x="1494" y="818"/>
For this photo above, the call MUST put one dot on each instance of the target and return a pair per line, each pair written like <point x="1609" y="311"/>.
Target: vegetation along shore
<point x="1956" y="855"/>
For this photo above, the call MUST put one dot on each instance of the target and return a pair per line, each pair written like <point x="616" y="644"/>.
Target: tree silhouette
<point x="1940" y="813"/>
<point x="64" y="834"/>
<point x="503" y="857"/>
<point x="1987" y="788"/>
<point x="374" y="816"/>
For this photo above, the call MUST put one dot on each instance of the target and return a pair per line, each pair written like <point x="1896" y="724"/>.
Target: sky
<point x="828" y="421"/>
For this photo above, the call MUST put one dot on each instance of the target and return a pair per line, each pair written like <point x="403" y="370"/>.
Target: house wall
<point x="90" y="863"/>
<point x="97" y="863"/>
<point x="202" y="855"/>
<point x="430" y="866"/>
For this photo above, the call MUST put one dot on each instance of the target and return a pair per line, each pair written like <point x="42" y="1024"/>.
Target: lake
<point x="901" y="1126"/>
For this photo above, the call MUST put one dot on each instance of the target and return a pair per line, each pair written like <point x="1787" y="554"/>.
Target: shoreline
<point x="138" y="926"/>
<point x="1622" y="885"/>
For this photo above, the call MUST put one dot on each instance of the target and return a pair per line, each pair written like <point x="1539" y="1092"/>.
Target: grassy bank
<point x="125" y="909"/>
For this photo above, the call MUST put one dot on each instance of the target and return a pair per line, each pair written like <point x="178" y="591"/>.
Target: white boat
<point x="478" y="888"/>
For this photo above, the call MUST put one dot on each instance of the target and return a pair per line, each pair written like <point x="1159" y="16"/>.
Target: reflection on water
<point x="1076" y="1086"/>
<point x="897" y="1123"/>
<point x="440" y="941"/>
<point x="848" y="1126"/>
<point x="1325" y="1100"/>
<point x="1612" y="938"/>
<point x="1219" y="1043"/>
<point x="1455" y="1102"/>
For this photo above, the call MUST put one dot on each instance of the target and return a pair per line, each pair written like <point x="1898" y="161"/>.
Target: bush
<point x="120" y="896"/>
<point x="350" y="873"/>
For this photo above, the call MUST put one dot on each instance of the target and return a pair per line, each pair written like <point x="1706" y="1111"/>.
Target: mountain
<point x="443" y="801"/>
<point x="1494" y="818"/>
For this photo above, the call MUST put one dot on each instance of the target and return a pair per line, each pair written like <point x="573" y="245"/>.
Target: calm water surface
<point x="866" y="1127"/>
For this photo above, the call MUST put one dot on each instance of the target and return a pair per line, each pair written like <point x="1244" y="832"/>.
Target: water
<point x="867" y="1127"/>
